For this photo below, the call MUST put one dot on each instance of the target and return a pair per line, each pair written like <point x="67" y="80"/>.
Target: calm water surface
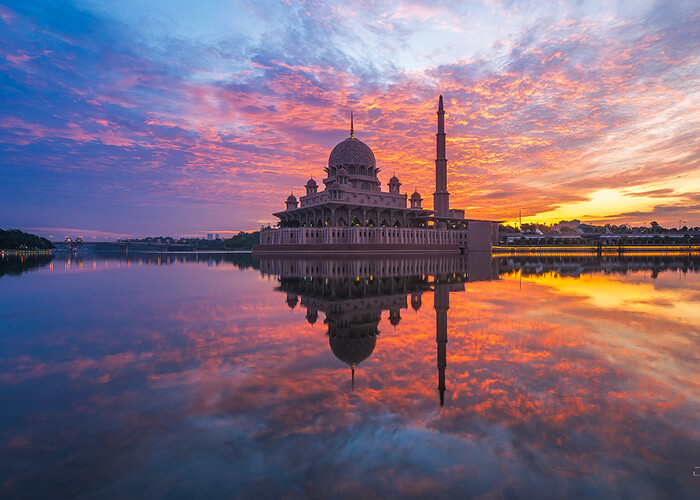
<point x="222" y="376"/>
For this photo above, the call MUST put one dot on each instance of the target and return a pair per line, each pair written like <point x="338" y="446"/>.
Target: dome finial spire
<point x="352" y="128"/>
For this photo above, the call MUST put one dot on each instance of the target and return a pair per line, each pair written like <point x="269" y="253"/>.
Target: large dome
<point x="351" y="152"/>
<point x="352" y="349"/>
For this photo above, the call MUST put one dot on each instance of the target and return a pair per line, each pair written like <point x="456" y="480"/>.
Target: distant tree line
<point x="14" y="239"/>
<point x="240" y="241"/>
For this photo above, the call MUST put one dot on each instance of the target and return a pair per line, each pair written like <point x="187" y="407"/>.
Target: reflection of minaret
<point x="442" y="304"/>
<point x="441" y="197"/>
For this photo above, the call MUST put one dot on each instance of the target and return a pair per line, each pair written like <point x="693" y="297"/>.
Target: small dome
<point x="394" y="317"/>
<point x="311" y="183"/>
<point x="351" y="152"/>
<point x="342" y="172"/>
<point x="416" y="196"/>
<point x="311" y="316"/>
<point x="335" y="187"/>
<point x="394" y="180"/>
<point x="291" y="199"/>
<point x="416" y="301"/>
<point x="292" y="300"/>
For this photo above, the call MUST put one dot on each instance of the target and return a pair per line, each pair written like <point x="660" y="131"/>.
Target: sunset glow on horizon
<point x="152" y="118"/>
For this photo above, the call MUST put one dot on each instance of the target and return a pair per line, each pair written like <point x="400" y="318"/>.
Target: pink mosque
<point x="352" y="214"/>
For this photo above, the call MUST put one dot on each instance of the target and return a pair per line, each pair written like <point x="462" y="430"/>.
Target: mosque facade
<point x="350" y="212"/>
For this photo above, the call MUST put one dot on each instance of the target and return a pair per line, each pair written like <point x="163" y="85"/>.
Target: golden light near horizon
<point x="613" y="293"/>
<point x="605" y="204"/>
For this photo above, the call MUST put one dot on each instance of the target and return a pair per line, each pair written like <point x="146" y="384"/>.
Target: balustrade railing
<point x="363" y="235"/>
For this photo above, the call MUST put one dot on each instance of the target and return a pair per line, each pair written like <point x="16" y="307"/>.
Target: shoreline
<point x="187" y="252"/>
<point x="621" y="250"/>
<point x="4" y="252"/>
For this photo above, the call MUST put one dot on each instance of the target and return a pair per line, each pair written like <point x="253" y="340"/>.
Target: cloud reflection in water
<point x="214" y="376"/>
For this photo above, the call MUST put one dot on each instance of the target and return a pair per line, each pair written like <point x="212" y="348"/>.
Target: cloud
<point x="564" y="104"/>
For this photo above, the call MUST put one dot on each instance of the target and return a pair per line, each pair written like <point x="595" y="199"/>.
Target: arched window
<point x="352" y="170"/>
<point x="365" y="185"/>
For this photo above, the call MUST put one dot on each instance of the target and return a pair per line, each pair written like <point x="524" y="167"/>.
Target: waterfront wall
<point x="361" y="235"/>
<point x="477" y="237"/>
<point x="24" y="252"/>
<point x="477" y="266"/>
<point x="481" y="235"/>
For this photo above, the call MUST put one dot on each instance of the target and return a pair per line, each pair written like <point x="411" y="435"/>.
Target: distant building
<point x="565" y="226"/>
<point x="210" y="236"/>
<point x="217" y="236"/>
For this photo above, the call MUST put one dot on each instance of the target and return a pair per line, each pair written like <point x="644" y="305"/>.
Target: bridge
<point x="125" y="245"/>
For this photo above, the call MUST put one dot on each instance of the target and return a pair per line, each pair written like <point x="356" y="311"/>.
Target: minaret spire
<point x="441" y="196"/>
<point x="352" y="128"/>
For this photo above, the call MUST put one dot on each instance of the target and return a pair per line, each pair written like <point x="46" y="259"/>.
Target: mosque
<point x="352" y="213"/>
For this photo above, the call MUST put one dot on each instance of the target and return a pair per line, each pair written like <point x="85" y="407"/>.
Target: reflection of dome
<point x="394" y="316"/>
<point x="292" y="300"/>
<point x="351" y="152"/>
<point x="352" y="349"/>
<point x="311" y="316"/>
<point x="415" y="301"/>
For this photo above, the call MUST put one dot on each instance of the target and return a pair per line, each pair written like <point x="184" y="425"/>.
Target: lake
<point x="223" y="376"/>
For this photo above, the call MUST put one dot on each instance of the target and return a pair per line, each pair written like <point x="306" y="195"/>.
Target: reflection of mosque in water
<point x="353" y="294"/>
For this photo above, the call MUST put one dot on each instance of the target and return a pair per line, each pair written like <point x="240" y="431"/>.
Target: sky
<point x="173" y="117"/>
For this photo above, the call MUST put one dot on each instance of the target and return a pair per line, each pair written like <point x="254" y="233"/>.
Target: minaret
<point x="441" y="295"/>
<point x="441" y="197"/>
